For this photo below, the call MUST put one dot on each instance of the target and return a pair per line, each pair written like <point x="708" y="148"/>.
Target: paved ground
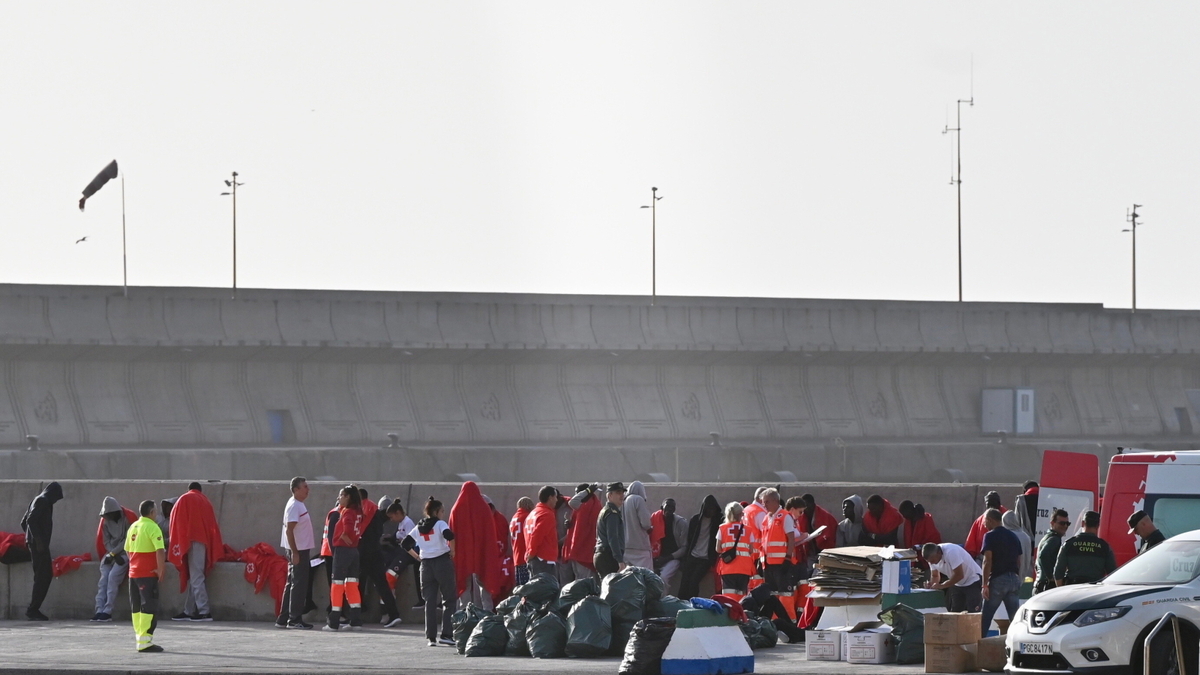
<point x="234" y="648"/>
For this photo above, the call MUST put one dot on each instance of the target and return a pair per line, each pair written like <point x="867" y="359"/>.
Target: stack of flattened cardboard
<point x="852" y="575"/>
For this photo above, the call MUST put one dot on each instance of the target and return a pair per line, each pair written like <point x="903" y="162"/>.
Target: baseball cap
<point x="1135" y="519"/>
<point x="616" y="487"/>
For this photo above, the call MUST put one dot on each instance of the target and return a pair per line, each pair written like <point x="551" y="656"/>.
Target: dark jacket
<point x="1083" y="559"/>
<point x="1156" y="537"/>
<point x="714" y="524"/>
<point x="1047" y="555"/>
<point x="38" y="521"/>
<point x="369" y="544"/>
<point x="610" y="532"/>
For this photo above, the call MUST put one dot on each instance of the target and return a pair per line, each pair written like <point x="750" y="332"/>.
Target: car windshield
<point x="1171" y="562"/>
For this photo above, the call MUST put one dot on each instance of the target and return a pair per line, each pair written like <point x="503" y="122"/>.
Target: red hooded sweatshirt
<point x="921" y="532"/>
<point x="541" y="534"/>
<point x="580" y="545"/>
<point x="886" y="523"/>
<point x="516" y="530"/>
<point x="193" y="520"/>
<point x="828" y="538"/>
<point x="476" y="541"/>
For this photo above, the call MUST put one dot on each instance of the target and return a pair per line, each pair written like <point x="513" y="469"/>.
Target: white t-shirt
<point x="297" y="512"/>
<point x="405" y="527"/>
<point x="435" y="543"/>
<point x="955" y="556"/>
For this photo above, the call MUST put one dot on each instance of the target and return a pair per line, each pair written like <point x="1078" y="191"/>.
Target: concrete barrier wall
<point x="204" y="402"/>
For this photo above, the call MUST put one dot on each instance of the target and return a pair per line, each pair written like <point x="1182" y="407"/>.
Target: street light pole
<point x="1132" y="218"/>
<point x="233" y="185"/>
<point x="653" y="243"/>
<point x="957" y="180"/>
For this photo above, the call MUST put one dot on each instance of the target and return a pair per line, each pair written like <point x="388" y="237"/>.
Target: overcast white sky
<point x="507" y="146"/>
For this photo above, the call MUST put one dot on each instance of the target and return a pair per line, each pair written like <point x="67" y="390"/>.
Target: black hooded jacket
<point x="714" y="524"/>
<point x="38" y="521"/>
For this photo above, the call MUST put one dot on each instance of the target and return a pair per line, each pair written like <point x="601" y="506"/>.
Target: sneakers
<point x="392" y="623"/>
<point x="152" y="649"/>
<point x="35" y="615"/>
<point x="354" y="627"/>
<point x="433" y="643"/>
<point x="182" y="616"/>
<point x="200" y="617"/>
<point x="329" y="628"/>
<point x="419" y="605"/>
<point x="298" y="625"/>
<point x="281" y="625"/>
<point x="447" y="641"/>
<point x="102" y="617"/>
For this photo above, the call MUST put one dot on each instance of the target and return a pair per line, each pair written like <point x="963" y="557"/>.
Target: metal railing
<point x="1169" y="616"/>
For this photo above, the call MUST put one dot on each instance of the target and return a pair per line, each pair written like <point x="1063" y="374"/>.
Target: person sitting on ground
<point x="849" y="530"/>
<point x="195" y="547"/>
<point x="671" y="547"/>
<point x="881" y="523"/>
<point x="110" y="547"/>
<point x="953" y="570"/>
<point x="974" y="543"/>
<point x="1141" y="525"/>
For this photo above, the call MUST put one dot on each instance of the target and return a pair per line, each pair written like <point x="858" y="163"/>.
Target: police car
<point x="1101" y="627"/>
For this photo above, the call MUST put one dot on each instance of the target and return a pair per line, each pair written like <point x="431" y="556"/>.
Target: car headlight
<point x="1094" y="616"/>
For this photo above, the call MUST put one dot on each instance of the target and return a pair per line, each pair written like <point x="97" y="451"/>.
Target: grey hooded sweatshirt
<point x="848" y="533"/>
<point x="636" y="515"/>
<point x="1010" y="521"/>
<point x="113" y="531"/>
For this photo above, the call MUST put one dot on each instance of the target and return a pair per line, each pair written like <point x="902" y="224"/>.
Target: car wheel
<point x="1163" y="656"/>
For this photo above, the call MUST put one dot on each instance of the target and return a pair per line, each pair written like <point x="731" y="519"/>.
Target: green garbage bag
<point x="625" y="593"/>
<point x="488" y="637"/>
<point x="655" y="587"/>
<point x="589" y="628"/>
<point x="575" y="591"/>
<point x="464" y="621"/>
<point x="908" y="625"/>
<point x="508" y="604"/>
<point x="647" y="643"/>
<point x="668" y="606"/>
<point x="547" y="635"/>
<point x="622" y="631"/>
<point x="760" y="633"/>
<point x="516" y="623"/>
<point x="542" y="588"/>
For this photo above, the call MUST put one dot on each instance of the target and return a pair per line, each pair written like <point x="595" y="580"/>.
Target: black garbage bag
<point x="908" y="625"/>
<point x="759" y="633"/>
<point x="644" y="651"/>
<point x="625" y="593"/>
<point x="516" y="624"/>
<point x="542" y="588"/>
<point x="621" y="632"/>
<point x="464" y="621"/>
<point x="655" y="587"/>
<point x="589" y="628"/>
<point x="488" y="638"/>
<point x="547" y="635"/>
<point x="668" y="606"/>
<point x="508" y="604"/>
<point x="575" y="591"/>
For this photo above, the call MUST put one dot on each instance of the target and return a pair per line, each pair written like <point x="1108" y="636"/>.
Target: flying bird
<point x="79" y="241"/>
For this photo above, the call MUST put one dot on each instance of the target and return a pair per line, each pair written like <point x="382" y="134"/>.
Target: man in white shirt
<point x="963" y="576"/>
<point x="298" y="541"/>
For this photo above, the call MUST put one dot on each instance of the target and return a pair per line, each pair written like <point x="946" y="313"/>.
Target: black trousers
<point x="143" y="598"/>
<point x="965" y="598"/>
<point x="297" y="590"/>
<point x="605" y="563"/>
<point x="374" y="572"/>
<point x="43" y="574"/>
<point x="693" y="572"/>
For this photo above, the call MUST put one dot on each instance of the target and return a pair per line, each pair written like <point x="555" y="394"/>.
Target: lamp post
<point x="956" y="179"/>
<point x="653" y="244"/>
<point x="233" y="185"/>
<point x="1132" y="218"/>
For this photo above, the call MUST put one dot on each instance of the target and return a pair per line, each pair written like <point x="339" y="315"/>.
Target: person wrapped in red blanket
<point x="477" y="544"/>
<point x="881" y="523"/>
<point x="195" y="546"/>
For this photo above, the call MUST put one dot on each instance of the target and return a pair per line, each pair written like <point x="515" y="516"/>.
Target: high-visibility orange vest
<point x="774" y="539"/>
<point x="749" y="515"/>
<point x="728" y="538"/>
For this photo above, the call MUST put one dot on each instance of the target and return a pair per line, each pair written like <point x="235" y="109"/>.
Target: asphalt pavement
<point x="234" y="648"/>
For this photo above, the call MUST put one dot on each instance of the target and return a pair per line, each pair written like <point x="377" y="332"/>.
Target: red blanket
<point x="10" y="540"/>
<point x="266" y="568"/>
<point x="476" y="541"/>
<point x="69" y="563"/>
<point x="193" y="520"/>
<point x="100" y="550"/>
<point x="580" y="545"/>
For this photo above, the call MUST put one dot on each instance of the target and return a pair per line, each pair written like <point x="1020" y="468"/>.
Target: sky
<point x="508" y="147"/>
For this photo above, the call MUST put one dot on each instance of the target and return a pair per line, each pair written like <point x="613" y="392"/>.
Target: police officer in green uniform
<point x="1084" y="558"/>
<point x="1048" y="548"/>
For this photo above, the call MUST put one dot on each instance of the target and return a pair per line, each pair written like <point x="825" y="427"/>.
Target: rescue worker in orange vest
<point x="752" y="517"/>
<point x="778" y="544"/>
<point x="736" y="544"/>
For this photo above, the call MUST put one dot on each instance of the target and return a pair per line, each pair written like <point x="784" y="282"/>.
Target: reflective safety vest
<point x="774" y="539"/>
<point x="736" y="536"/>
<point x="749" y="515"/>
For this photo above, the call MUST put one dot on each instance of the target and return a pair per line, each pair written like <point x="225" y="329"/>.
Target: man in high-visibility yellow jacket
<point x="147" y="567"/>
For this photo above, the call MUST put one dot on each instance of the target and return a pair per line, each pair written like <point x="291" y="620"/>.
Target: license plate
<point x="1037" y="648"/>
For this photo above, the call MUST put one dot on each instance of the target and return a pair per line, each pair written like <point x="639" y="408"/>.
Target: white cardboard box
<point x="823" y="645"/>
<point x="897" y="576"/>
<point x="874" y="645"/>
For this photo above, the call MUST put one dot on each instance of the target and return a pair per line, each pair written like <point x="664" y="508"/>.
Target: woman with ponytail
<point x="346" y="535"/>
<point x="438" y="582"/>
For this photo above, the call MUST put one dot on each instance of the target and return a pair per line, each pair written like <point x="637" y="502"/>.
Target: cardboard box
<point x="823" y="645"/>
<point x="897" y="576"/>
<point x="945" y="628"/>
<point x="949" y="658"/>
<point x="876" y="645"/>
<point x="990" y="654"/>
